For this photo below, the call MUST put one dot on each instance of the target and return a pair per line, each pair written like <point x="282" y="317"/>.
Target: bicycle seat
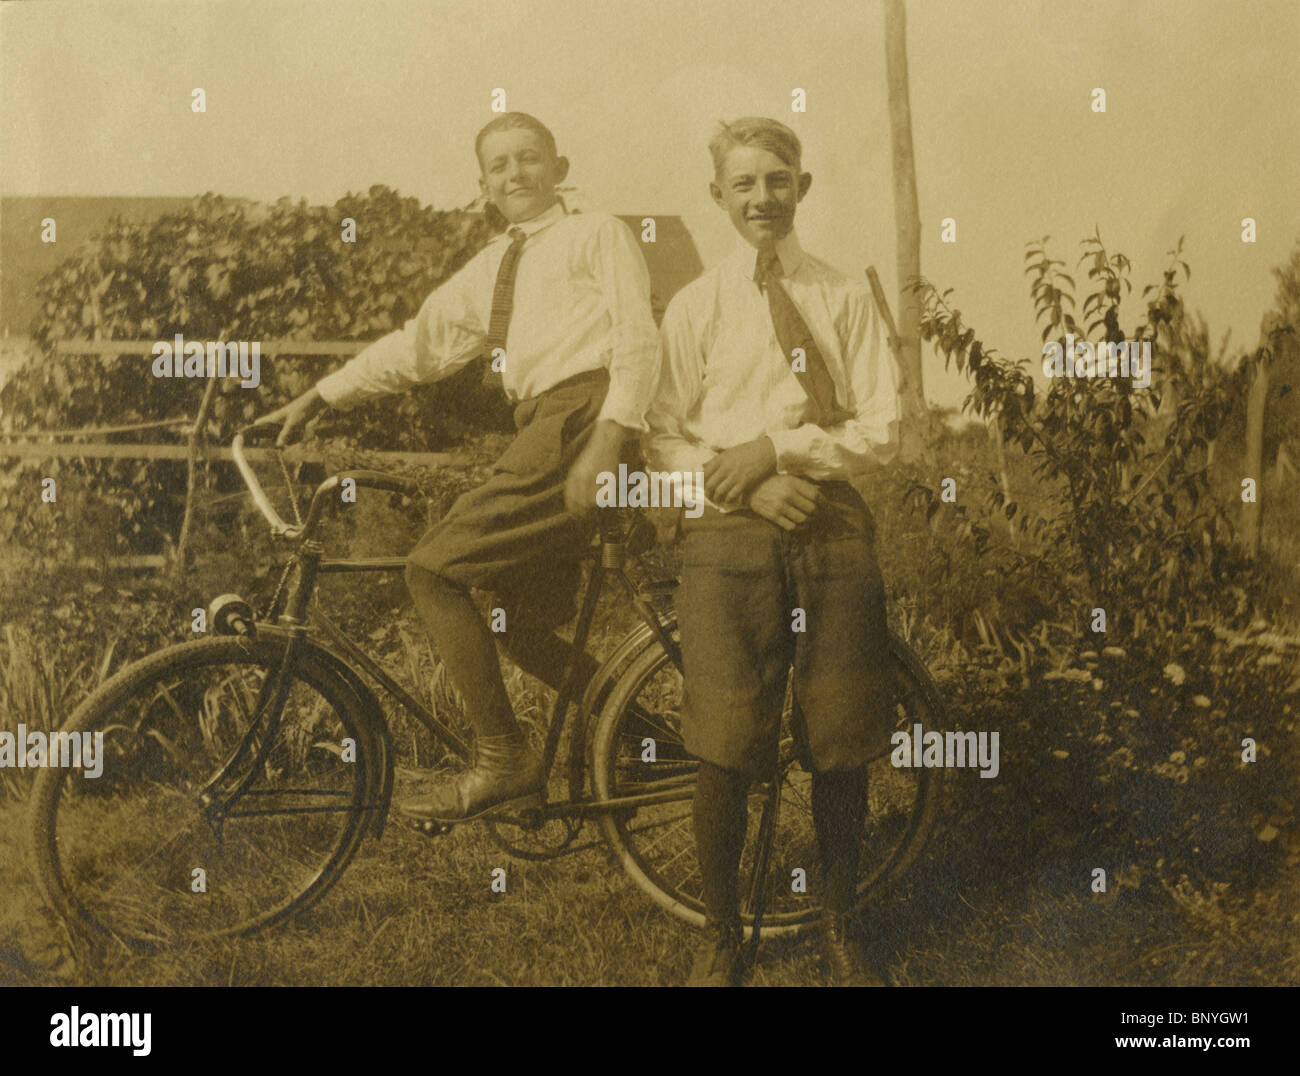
<point x="628" y="526"/>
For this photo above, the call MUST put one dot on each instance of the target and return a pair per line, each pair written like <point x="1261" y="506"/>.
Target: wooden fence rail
<point x="28" y="449"/>
<point x="27" y="446"/>
<point x="312" y="349"/>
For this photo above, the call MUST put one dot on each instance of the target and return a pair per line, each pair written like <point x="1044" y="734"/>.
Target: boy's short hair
<point x="771" y="135"/>
<point x="510" y="121"/>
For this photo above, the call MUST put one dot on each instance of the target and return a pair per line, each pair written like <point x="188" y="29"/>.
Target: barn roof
<point x="672" y="258"/>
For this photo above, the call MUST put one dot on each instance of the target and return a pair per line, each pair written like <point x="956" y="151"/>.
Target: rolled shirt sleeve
<point x="634" y="341"/>
<point x="445" y="335"/>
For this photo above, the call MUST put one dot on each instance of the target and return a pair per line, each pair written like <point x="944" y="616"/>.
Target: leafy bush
<point x="227" y="269"/>
<point x="1125" y="746"/>
<point x="1134" y="521"/>
<point x="1134" y="755"/>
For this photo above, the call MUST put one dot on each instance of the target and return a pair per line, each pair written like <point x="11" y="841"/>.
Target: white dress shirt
<point x="581" y="302"/>
<point x="725" y="381"/>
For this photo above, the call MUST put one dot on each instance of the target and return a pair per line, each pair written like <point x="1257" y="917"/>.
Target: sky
<point x="315" y="99"/>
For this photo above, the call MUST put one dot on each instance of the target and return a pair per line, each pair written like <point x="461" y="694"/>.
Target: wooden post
<point x="907" y="226"/>
<point x="1004" y="479"/>
<point x="891" y="329"/>
<point x="95" y="312"/>
<point x="1254" y="463"/>
<point x="191" y="477"/>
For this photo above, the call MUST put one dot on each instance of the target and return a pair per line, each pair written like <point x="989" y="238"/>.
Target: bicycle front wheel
<point x="212" y="814"/>
<point x="638" y="750"/>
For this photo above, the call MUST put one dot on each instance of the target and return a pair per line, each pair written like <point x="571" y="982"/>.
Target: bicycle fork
<point x="275" y="691"/>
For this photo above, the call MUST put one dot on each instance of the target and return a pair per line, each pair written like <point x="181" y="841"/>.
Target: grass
<point x="412" y="910"/>
<point x="987" y="904"/>
<point x="984" y="906"/>
<point x="38" y="692"/>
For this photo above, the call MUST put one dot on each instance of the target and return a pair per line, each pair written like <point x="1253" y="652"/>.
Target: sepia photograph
<point x="545" y="493"/>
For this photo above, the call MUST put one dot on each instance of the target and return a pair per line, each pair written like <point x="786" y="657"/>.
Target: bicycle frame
<point x="623" y="697"/>
<point x="295" y="624"/>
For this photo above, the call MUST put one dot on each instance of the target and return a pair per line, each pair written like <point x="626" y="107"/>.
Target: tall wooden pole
<point x="1254" y="462"/>
<point x="907" y="226"/>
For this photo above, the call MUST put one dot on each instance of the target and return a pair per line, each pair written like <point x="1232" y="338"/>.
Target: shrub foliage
<point x="227" y="269"/>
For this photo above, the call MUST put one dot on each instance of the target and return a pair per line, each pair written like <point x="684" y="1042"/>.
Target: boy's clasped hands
<point x="746" y="476"/>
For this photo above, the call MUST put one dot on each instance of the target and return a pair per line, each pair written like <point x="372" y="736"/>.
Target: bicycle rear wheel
<point x="211" y="816"/>
<point x="637" y="749"/>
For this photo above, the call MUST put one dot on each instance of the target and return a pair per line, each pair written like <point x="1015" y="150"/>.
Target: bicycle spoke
<point x="658" y="822"/>
<point x="685" y="850"/>
<point x="803" y="800"/>
<point x="657" y="847"/>
<point x="127" y="855"/>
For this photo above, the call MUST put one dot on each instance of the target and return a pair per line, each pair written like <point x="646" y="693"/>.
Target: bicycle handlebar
<point x="281" y="529"/>
<point x="372" y="479"/>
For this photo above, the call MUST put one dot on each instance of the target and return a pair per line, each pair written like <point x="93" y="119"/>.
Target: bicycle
<point x="242" y="771"/>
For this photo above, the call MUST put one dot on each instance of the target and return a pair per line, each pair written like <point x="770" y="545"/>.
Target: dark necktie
<point x="503" y="301"/>
<point x="792" y="332"/>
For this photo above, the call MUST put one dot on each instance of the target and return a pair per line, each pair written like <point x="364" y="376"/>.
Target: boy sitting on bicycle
<point x="780" y="570"/>
<point x="562" y="304"/>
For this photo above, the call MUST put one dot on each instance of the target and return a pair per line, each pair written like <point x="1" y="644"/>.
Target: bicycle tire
<point x="95" y="843"/>
<point x="615" y="772"/>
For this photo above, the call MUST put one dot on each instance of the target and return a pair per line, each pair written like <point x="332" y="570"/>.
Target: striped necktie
<point x="792" y="333"/>
<point x="503" y="300"/>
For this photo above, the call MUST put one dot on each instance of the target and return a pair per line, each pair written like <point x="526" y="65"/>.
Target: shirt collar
<point x="788" y="250"/>
<point x="535" y="224"/>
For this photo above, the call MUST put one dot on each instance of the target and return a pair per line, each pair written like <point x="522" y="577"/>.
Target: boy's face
<point x="759" y="191"/>
<point x="520" y="173"/>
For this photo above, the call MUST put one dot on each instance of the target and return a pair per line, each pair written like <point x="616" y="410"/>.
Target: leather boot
<point x="506" y="773"/>
<point x="847" y="963"/>
<point x="717" y="961"/>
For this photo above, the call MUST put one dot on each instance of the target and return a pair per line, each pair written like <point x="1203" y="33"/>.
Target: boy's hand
<point x="785" y="499"/>
<point x="294" y="415"/>
<point x="601" y="454"/>
<point x="730" y="475"/>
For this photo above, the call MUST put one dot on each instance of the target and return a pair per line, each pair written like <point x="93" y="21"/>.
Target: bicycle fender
<point x="636" y="641"/>
<point x="593" y="699"/>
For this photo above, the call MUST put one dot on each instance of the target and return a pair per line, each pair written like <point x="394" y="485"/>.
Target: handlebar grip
<point x="260" y="499"/>
<point x="258" y="428"/>
<point x="381" y="480"/>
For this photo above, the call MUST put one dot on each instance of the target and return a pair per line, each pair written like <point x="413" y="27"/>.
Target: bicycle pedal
<point x="530" y="818"/>
<point x="525" y="812"/>
<point x="432" y="827"/>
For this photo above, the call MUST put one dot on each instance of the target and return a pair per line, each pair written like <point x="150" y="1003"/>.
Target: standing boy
<point x="776" y="383"/>
<point x="562" y="302"/>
